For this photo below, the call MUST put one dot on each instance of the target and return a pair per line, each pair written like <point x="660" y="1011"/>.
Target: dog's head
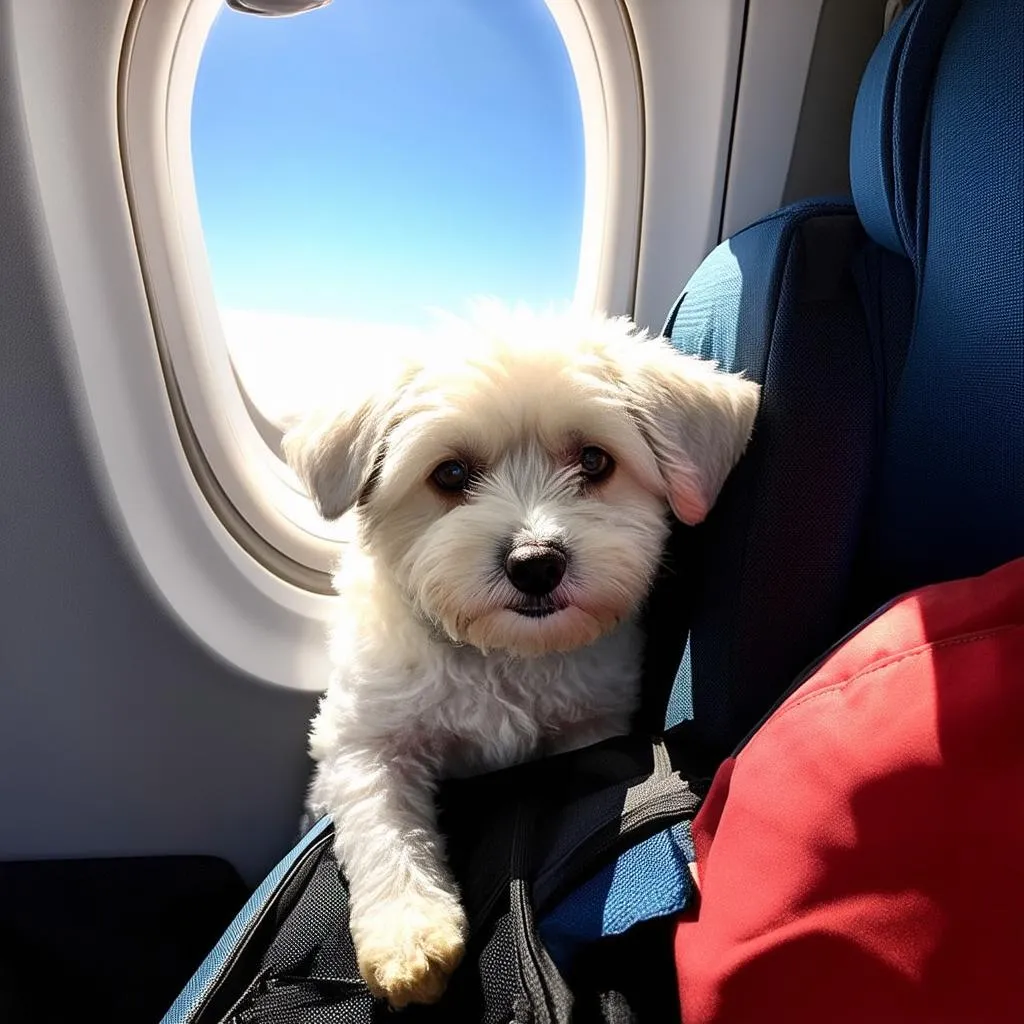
<point x="516" y="479"/>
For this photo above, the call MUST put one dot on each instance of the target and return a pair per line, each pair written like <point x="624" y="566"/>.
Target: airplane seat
<point x="888" y="336"/>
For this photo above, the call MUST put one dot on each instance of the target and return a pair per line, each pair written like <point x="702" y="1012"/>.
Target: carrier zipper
<point x="550" y="1000"/>
<point x="662" y="799"/>
<point x="656" y="800"/>
<point x="253" y="924"/>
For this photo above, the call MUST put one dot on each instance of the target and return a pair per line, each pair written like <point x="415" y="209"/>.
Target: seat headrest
<point x="888" y="123"/>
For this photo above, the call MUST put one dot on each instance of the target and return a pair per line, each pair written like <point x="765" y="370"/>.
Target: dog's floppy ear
<point x="696" y="419"/>
<point x="334" y="454"/>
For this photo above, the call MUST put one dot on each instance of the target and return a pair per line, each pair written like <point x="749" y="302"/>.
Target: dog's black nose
<point x="535" y="569"/>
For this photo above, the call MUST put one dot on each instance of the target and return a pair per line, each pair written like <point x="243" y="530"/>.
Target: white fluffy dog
<point x="512" y="485"/>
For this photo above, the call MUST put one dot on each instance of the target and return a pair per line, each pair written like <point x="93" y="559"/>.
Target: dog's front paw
<point x="407" y="948"/>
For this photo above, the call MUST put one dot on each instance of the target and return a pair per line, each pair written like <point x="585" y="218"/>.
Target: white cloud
<point x="289" y="364"/>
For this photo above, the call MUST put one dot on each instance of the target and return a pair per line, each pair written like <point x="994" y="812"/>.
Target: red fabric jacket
<point x="862" y="858"/>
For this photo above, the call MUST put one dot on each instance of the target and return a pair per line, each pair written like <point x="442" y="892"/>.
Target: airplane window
<point x="363" y="164"/>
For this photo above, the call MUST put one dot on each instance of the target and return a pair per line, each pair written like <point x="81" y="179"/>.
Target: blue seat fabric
<point x="889" y="450"/>
<point x="767" y="575"/>
<point x="952" y="497"/>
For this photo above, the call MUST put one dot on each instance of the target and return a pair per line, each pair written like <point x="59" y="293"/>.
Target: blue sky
<point x="376" y="157"/>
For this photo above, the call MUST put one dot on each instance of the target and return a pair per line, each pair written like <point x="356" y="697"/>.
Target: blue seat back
<point x="764" y="581"/>
<point x="951" y="499"/>
<point x="889" y="450"/>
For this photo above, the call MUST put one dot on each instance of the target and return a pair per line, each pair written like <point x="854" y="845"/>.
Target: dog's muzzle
<point x="535" y="569"/>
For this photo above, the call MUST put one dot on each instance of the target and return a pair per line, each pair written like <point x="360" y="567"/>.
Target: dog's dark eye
<point x="452" y="475"/>
<point x="596" y="463"/>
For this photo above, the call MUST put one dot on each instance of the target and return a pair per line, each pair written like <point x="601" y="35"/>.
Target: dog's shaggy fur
<point x="545" y="450"/>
